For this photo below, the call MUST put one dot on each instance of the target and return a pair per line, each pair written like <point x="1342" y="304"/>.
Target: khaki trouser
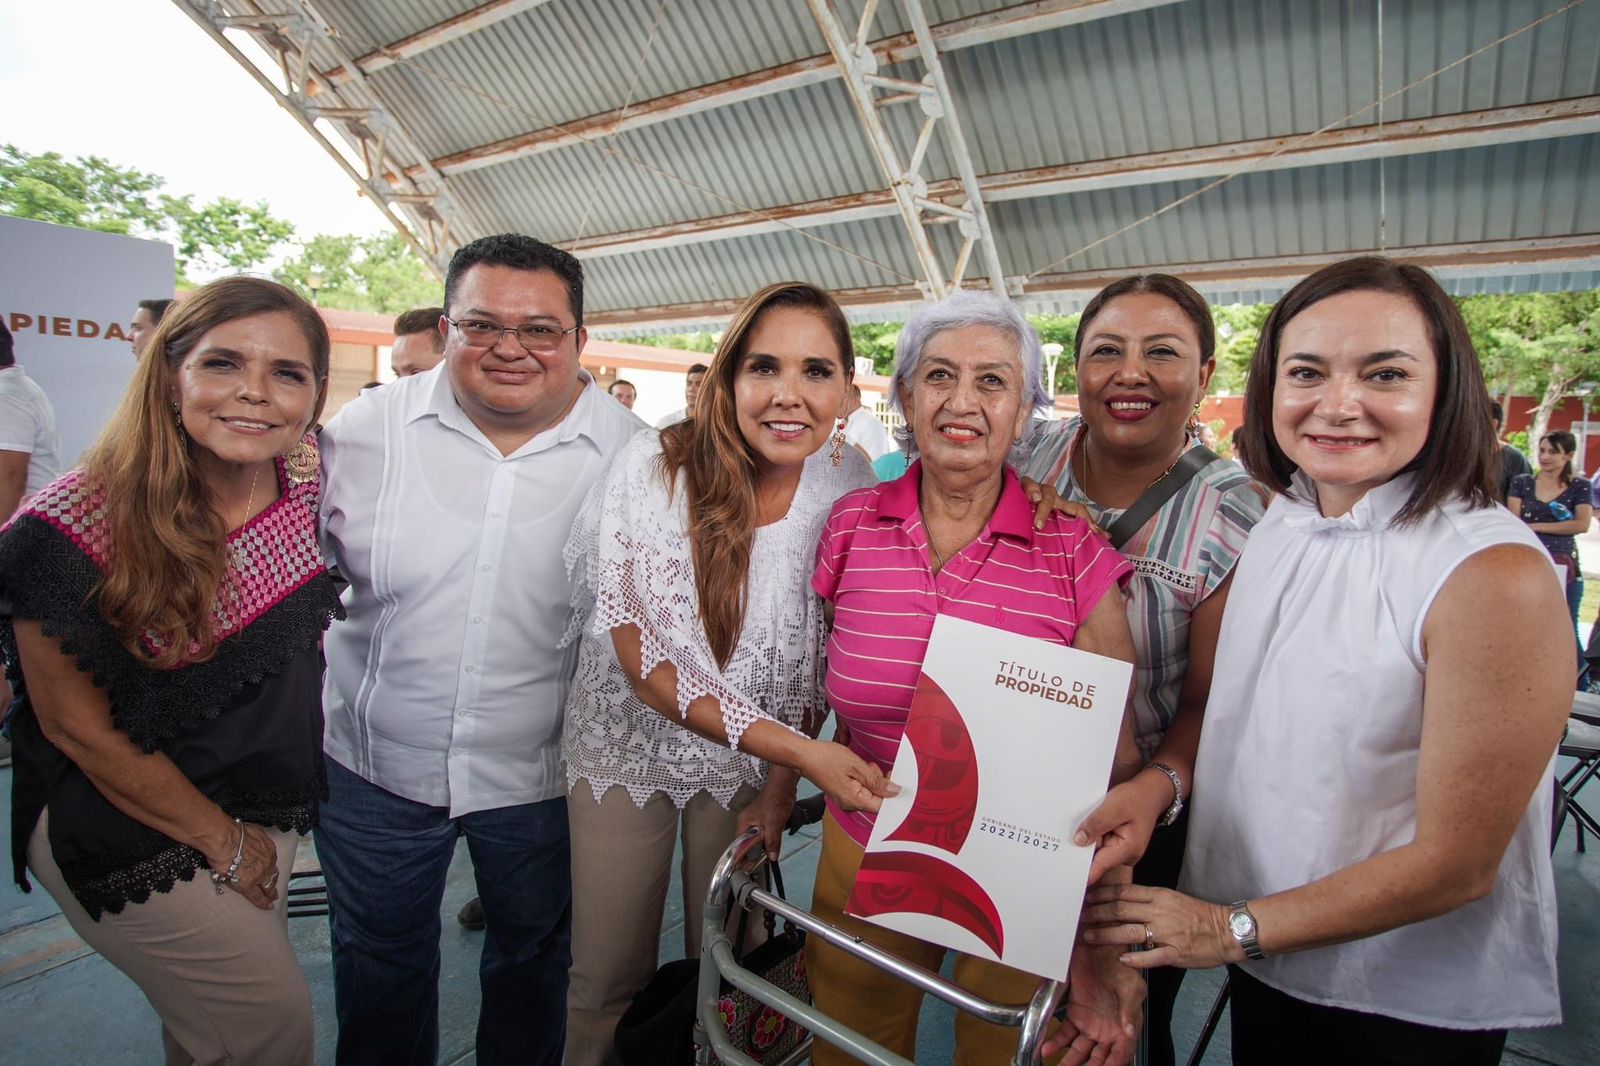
<point x="220" y="973"/>
<point x="879" y="1005"/>
<point x="621" y="867"/>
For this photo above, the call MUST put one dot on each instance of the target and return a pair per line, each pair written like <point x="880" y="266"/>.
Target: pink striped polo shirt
<point x="873" y="565"/>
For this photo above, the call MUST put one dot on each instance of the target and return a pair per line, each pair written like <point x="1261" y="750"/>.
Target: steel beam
<point x="907" y="187"/>
<point x="857" y="65"/>
<point x="367" y="125"/>
<point x="1013" y="21"/>
<point x="211" y="18"/>
<point x="470" y="21"/>
<point x="1580" y="252"/>
<point x="1559" y="118"/>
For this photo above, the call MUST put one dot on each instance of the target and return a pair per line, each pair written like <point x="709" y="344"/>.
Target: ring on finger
<point x="1149" y="939"/>
<point x="269" y="882"/>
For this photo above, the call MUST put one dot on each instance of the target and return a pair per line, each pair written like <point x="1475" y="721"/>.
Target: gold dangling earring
<point x="302" y="461"/>
<point x="837" y="440"/>
<point x="1193" y="428"/>
<point x="177" y="420"/>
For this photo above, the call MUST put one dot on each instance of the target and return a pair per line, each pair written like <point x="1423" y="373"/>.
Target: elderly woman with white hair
<point x="954" y="535"/>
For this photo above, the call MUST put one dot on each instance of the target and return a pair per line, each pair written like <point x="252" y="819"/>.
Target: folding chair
<point x="1581" y="743"/>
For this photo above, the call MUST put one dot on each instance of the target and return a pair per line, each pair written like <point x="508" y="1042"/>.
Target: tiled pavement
<point x="63" y="1004"/>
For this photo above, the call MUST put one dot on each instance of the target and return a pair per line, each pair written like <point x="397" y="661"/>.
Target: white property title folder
<point x="1008" y="746"/>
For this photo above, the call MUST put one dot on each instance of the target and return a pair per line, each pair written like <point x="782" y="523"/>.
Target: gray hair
<point x="956" y="311"/>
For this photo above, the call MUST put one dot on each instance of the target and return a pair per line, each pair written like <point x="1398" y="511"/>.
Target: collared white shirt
<point x="446" y="683"/>
<point x="673" y="419"/>
<point x="865" y="431"/>
<point x="28" y="425"/>
<point x="1309" y="760"/>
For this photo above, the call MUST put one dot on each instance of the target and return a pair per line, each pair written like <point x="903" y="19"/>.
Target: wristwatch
<point x="1177" y="793"/>
<point x="1242" y="924"/>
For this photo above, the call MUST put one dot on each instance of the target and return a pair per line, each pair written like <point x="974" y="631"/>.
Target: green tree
<point x="224" y="235"/>
<point x="88" y="192"/>
<point x="876" y="341"/>
<point x="1537" y="344"/>
<point x="355" y="273"/>
<point x="1062" y="330"/>
<point x="683" y="342"/>
<point x="1238" y="330"/>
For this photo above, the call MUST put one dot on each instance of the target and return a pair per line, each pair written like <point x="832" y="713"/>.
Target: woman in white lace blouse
<point x="692" y="561"/>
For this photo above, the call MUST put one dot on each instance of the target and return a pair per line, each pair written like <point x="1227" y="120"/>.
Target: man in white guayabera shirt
<point x="29" y="448"/>
<point x="448" y="497"/>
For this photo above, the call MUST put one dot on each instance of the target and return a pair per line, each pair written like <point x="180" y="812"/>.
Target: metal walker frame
<point x="732" y="885"/>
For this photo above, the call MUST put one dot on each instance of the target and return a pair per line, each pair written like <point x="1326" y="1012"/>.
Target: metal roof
<point x="692" y="150"/>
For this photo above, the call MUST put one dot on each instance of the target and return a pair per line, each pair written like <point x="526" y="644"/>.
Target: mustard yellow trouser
<point x="879" y="1005"/>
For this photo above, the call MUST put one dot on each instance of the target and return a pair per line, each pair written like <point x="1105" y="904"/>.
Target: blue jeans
<point x="385" y="859"/>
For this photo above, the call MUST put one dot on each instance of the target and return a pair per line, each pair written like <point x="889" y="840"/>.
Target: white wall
<point x="68" y="296"/>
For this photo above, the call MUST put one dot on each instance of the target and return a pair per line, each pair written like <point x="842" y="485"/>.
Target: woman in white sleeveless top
<point x="1368" y="844"/>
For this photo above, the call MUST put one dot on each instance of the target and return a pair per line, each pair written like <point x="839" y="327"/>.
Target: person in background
<point x="146" y="317"/>
<point x="863" y="431"/>
<point x="693" y="379"/>
<point x="419" y="336"/>
<point x="30" y="450"/>
<point x="693" y="559"/>
<point x="1369" y="848"/>
<point x="891" y="464"/>
<point x="623" y="392"/>
<point x="446" y="685"/>
<point x="1145" y="352"/>
<point x="954" y="536"/>
<point x="164" y="606"/>
<point x="1512" y="461"/>
<point x="1557" y="506"/>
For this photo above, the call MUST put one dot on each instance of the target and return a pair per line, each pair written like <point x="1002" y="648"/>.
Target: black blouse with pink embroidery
<point x="244" y="725"/>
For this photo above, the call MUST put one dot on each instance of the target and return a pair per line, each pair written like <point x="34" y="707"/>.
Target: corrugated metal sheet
<point x="1176" y="76"/>
<point x="1538" y="189"/>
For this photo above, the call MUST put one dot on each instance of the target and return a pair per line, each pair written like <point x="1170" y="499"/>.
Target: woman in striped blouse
<point x="1145" y="351"/>
<point x="954" y="535"/>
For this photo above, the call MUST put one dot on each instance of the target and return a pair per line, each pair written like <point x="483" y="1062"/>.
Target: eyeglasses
<point x="538" y="339"/>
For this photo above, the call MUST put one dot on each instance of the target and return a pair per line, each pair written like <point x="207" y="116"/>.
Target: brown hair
<point x="1180" y="292"/>
<point x="168" y="539"/>
<point x="1567" y="444"/>
<point x="719" y="469"/>
<point x="1458" y="460"/>
<point x="421" y="320"/>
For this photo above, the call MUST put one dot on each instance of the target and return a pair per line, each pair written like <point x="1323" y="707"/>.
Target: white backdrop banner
<point x="68" y="296"/>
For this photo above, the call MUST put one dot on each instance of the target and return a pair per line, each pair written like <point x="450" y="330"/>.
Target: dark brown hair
<point x="170" y="542"/>
<point x="420" y="320"/>
<point x="1566" y="444"/>
<point x="1180" y="292"/>
<point x="1458" y="461"/>
<point x="719" y="468"/>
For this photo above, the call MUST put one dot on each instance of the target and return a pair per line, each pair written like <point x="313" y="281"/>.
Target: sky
<point x="137" y="82"/>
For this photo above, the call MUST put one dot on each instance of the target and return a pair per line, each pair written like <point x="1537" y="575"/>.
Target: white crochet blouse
<point x="629" y="558"/>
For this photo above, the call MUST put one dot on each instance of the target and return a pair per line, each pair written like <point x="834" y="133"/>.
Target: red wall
<point x="1520" y="416"/>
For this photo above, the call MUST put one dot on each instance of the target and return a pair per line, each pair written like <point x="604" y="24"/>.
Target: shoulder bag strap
<point x="1133" y="519"/>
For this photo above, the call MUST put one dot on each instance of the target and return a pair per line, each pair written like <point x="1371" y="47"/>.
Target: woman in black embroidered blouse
<point x="160" y="616"/>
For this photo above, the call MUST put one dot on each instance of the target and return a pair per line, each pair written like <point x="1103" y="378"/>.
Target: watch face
<point x="1241" y="925"/>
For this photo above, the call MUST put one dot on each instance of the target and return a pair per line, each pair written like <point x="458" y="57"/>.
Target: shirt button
<point x="471" y="669"/>
<point x="484" y="568"/>
<point x="494" y="514"/>
<point x="477" y="619"/>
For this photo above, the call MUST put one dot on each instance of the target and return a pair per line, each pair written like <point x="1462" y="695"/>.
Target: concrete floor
<point x="63" y="1004"/>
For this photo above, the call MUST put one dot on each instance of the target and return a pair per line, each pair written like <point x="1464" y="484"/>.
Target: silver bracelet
<point x="221" y="881"/>
<point x="1176" y="809"/>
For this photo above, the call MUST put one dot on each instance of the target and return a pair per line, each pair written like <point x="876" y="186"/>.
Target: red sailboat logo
<point x="941" y="817"/>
